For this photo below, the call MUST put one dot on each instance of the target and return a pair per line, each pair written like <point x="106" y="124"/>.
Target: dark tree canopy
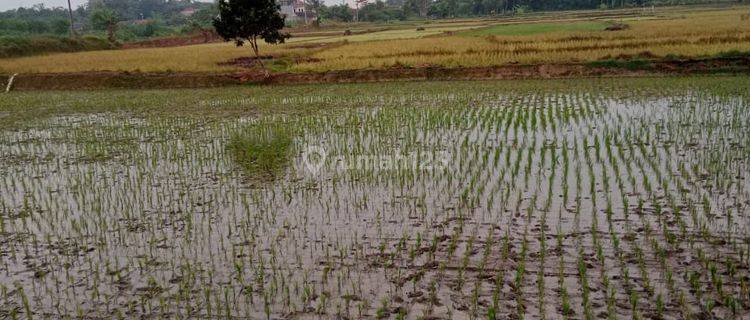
<point x="249" y="20"/>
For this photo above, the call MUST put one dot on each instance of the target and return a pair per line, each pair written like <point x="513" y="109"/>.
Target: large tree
<point x="250" y="20"/>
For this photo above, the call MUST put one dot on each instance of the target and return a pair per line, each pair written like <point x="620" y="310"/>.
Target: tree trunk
<point x="111" y="33"/>
<point x="206" y="35"/>
<point x="254" y="45"/>
<point x="70" y="15"/>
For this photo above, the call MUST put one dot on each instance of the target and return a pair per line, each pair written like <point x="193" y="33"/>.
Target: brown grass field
<point x="536" y="39"/>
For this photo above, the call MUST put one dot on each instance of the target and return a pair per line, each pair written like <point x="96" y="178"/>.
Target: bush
<point x="18" y="46"/>
<point x="521" y="9"/>
<point x="262" y="151"/>
<point x="144" y="30"/>
<point x="60" y="26"/>
<point x="337" y="13"/>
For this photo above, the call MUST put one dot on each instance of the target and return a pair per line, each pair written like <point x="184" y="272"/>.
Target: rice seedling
<point x="616" y="198"/>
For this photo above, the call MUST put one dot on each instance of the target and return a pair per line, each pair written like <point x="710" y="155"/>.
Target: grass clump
<point x="262" y="151"/>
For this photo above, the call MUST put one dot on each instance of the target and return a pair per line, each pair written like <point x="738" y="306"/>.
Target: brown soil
<point x="617" y="27"/>
<point x="247" y="62"/>
<point x="641" y="55"/>
<point x="103" y="80"/>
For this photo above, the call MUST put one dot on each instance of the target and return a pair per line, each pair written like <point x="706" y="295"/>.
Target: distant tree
<point x="60" y="26"/>
<point x="358" y="4"/>
<point x="250" y="20"/>
<point x="70" y="20"/>
<point x="339" y="12"/>
<point x="149" y="8"/>
<point x="205" y="16"/>
<point x="105" y="19"/>
<point x="313" y="4"/>
<point x="417" y="7"/>
<point x="444" y="8"/>
<point x="195" y="26"/>
<point x="144" y="29"/>
<point x="202" y="22"/>
<point x="380" y="11"/>
<point x="123" y="9"/>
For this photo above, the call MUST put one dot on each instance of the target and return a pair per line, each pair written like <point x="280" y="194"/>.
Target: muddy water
<point x="529" y="205"/>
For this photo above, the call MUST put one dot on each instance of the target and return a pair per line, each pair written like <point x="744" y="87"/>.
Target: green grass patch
<point x="262" y="151"/>
<point x="536" y="28"/>
<point x="20" y="109"/>
<point x="18" y="46"/>
<point x="733" y="54"/>
<point x="280" y="65"/>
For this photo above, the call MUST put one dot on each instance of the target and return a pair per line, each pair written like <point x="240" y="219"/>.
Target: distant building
<point x="187" y="12"/>
<point x="296" y="11"/>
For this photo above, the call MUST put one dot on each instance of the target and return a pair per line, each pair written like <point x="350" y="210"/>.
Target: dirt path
<point x="616" y="68"/>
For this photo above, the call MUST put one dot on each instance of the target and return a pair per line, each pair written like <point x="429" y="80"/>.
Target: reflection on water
<point x="110" y="215"/>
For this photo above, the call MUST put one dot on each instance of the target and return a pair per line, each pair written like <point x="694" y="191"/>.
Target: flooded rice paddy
<point x="553" y="203"/>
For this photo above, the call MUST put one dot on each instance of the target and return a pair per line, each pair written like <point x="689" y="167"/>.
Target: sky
<point x="12" y="4"/>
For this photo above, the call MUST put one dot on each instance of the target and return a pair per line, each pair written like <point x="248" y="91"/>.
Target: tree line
<point x="128" y="19"/>
<point x="135" y="19"/>
<point x="390" y="10"/>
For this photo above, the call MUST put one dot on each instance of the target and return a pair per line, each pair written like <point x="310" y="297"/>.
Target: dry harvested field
<point x="545" y="38"/>
<point x="577" y="199"/>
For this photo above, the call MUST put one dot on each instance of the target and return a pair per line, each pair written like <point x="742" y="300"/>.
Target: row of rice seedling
<point x="536" y="201"/>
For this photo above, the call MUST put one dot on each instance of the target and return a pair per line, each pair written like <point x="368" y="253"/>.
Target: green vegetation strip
<point x="18" y="46"/>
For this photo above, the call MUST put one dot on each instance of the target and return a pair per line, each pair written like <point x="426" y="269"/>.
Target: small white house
<point x="296" y="11"/>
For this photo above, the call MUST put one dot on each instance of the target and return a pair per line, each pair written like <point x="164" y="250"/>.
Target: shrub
<point x="262" y="152"/>
<point x="18" y="46"/>
<point x="144" y="30"/>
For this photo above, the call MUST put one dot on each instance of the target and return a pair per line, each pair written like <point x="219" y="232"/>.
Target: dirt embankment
<point x="120" y="80"/>
<point x="610" y="68"/>
<point x="439" y="73"/>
